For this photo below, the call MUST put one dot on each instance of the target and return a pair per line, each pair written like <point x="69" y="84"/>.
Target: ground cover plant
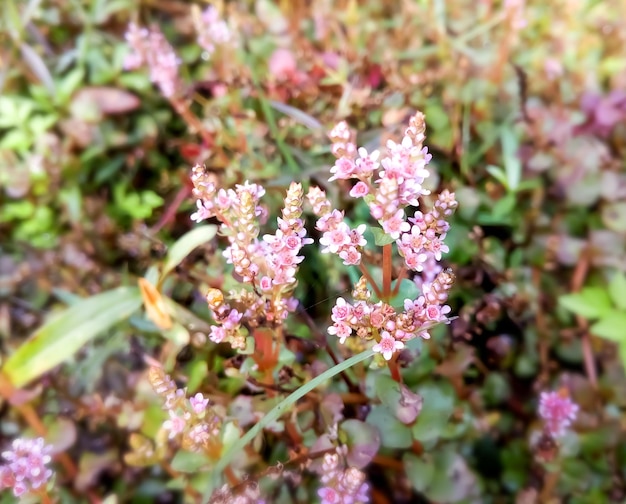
<point x="337" y="252"/>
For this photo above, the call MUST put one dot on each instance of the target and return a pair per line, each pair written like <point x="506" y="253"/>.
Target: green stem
<point x="275" y="413"/>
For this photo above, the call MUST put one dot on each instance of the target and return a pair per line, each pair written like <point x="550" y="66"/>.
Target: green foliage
<point x="60" y="338"/>
<point x="606" y="307"/>
<point x="94" y="167"/>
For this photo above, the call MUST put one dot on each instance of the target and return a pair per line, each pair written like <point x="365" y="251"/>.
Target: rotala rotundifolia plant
<point x="402" y="290"/>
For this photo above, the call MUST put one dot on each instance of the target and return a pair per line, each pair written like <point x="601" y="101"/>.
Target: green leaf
<point x="185" y="244"/>
<point x="38" y="67"/>
<point x="611" y="327"/>
<point x="617" y="290"/>
<point x="189" y="462"/>
<point x="380" y="237"/>
<point x="512" y="164"/>
<point x="408" y="290"/>
<point x="393" y="433"/>
<point x="436" y="410"/>
<point x="388" y="391"/>
<point x="420" y="471"/>
<point x="362" y="441"/>
<point x="591" y="302"/>
<point x="61" y="337"/>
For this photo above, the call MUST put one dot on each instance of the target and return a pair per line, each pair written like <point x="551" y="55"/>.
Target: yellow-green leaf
<point x="61" y="337"/>
<point x="185" y="245"/>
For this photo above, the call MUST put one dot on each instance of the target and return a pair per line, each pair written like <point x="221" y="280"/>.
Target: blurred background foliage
<point x="525" y="105"/>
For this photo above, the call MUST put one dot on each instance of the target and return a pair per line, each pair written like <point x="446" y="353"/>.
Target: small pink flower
<point x="396" y="224"/>
<point x="341" y="330"/>
<point x="341" y="131"/>
<point x="388" y="345"/>
<point x="350" y="256"/>
<point x="266" y="283"/>
<point x="282" y="63"/>
<point x="356" y="236"/>
<point x="359" y="190"/>
<point x="232" y="321"/>
<point x="329" y="495"/>
<point x="217" y="334"/>
<point x="341" y="311"/>
<point x="433" y="312"/>
<point x="367" y="164"/>
<point x="557" y="410"/>
<point x="377" y="319"/>
<point x="25" y="468"/>
<point x="175" y="425"/>
<point x="344" y="168"/>
<point x="334" y="239"/>
<point x="198" y="403"/>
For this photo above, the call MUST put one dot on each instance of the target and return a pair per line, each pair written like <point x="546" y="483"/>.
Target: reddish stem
<point x="367" y="275"/>
<point x="387" y="271"/>
<point x="394" y="368"/>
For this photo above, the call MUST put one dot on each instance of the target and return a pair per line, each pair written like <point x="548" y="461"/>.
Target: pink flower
<point x="204" y="212"/>
<point x="266" y="283"/>
<point x="25" y="468"/>
<point x="334" y="239"/>
<point x="344" y="168"/>
<point x="367" y="164"/>
<point x="232" y="321"/>
<point x="282" y="63"/>
<point x="359" y="190"/>
<point x="341" y="330"/>
<point x="395" y="225"/>
<point x="557" y="410"/>
<point x="217" y="335"/>
<point x="341" y="311"/>
<point x="198" y="403"/>
<point x="329" y="495"/>
<point x="350" y="256"/>
<point x="176" y="424"/>
<point x="388" y="345"/>
<point x="356" y="236"/>
<point x="212" y="30"/>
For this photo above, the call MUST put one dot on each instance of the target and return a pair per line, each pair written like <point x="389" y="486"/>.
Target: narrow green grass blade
<point x="61" y="337"/>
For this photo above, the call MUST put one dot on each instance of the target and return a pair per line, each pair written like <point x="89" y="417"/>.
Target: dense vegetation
<point x="191" y="310"/>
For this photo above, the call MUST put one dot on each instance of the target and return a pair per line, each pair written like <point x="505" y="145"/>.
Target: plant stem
<point x="367" y="275"/>
<point x="387" y="270"/>
<point x="192" y="120"/>
<point x="274" y="414"/>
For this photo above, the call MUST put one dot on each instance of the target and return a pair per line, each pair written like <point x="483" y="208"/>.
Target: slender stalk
<point x="387" y="270"/>
<point x="192" y="120"/>
<point x="367" y="275"/>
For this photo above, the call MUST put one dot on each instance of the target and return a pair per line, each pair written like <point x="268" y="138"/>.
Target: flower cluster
<point x="150" y="48"/>
<point x="337" y="236"/>
<point x="269" y="264"/>
<point x="25" y="468"/>
<point x="191" y="421"/>
<point x="342" y="486"/>
<point x="381" y="322"/>
<point x="400" y="174"/>
<point x="558" y="411"/>
<point x="388" y="186"/>
<point x="212" y="30"/>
